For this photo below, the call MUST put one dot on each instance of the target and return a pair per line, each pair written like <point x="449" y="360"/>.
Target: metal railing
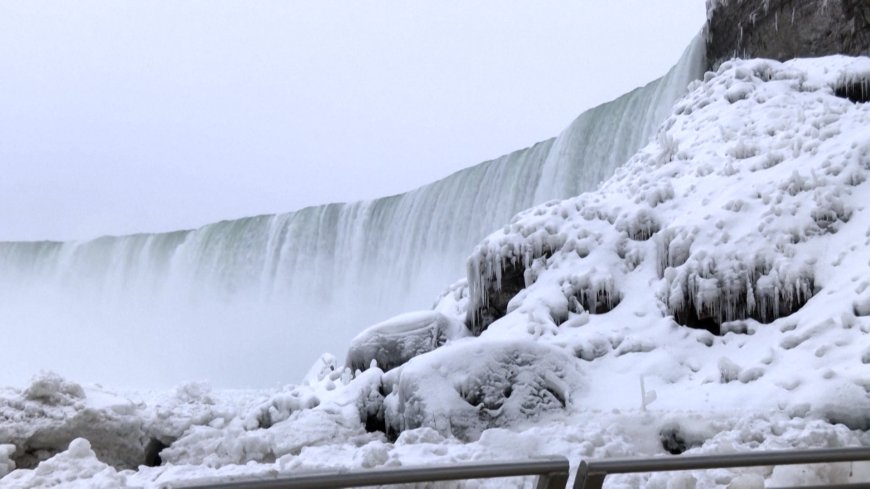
<point x="553" y="473"/>
<point x="591" y="474"/>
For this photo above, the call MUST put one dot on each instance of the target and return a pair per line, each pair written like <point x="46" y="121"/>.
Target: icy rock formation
<point x="756" y="167"/>
<point x="785" y="29"/>
<point x="470" y="386"/>
<point x="395" y="341"/>
<point x="44" y="418"/>
<point x="499" y="271"/>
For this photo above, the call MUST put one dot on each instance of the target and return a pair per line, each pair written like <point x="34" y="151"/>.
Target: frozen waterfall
<point x="255" y="301"/>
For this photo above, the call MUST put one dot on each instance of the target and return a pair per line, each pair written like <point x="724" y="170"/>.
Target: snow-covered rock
<point x="395" y="341"/>
<point x="748" y="217"/>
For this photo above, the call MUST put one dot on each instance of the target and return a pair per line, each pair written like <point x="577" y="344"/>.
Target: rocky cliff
<point x="786" y="29"/>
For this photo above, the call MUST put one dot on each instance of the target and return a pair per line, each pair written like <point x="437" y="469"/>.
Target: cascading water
<point x="255" y="301"/>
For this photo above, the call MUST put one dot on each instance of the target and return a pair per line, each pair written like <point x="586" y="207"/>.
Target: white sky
<point x="121" y="117"/>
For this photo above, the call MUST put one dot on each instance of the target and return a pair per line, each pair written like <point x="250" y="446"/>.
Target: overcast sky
<point x="120" y="117"/>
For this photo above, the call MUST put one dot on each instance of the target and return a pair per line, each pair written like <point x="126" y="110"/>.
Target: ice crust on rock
<point x="395" y="341"/>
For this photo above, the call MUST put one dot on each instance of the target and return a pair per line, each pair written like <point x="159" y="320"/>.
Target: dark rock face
<point x="497" y="295"/>
<point x="786" y="29"/>
<point x="152" y="452"/>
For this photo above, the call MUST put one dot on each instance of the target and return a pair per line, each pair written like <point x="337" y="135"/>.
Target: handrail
<point x="552" y="474"/>
<point x="591" y="474"/>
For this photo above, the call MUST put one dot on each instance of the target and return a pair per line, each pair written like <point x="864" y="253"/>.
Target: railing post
<point x="556" y="480"/>
<point x="587" y="480"/>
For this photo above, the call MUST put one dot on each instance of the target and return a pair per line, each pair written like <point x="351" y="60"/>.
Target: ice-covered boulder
<point x="397" y="340"/>
<point x="473" y="385"/>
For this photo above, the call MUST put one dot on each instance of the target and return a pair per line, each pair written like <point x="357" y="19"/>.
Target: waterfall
<point x="255" y="301"/>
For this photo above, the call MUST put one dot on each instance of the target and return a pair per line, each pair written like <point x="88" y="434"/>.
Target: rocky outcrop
<point x="786" y="29"/>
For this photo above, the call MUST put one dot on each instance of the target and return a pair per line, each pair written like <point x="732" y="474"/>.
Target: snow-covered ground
<point x="711" y="297"/>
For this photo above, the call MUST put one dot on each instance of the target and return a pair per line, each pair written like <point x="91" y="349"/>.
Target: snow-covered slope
<point x="712" y="296"/>
<point x="747" y="218"/>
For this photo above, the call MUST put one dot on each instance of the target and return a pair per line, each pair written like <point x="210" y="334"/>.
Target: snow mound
<point x="77" y="467"/>
<point x="44" y="418"/>
<point x="51" y="389"/>
<point x="395" y="341"/>
<point x="474" y="385"/>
